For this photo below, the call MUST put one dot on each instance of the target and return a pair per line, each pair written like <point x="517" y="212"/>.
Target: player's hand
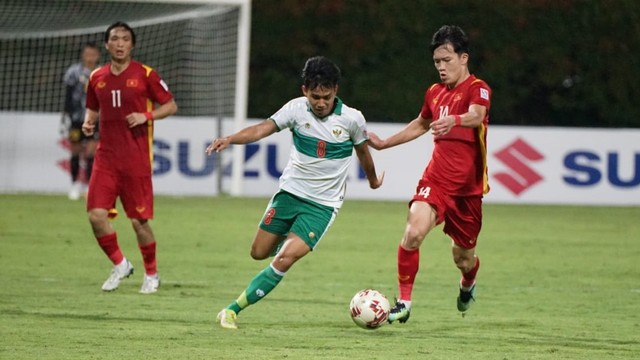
<point x="218" y="145"/>
<point x="377" y="182"/>
<point x="88" y="128"/>
<point x="135" y="119"/>
<point x="375" y="141"/>
<point x="442" y="126"/>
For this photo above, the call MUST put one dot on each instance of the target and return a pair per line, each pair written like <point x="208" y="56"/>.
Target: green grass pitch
<point x="556" y="282"/>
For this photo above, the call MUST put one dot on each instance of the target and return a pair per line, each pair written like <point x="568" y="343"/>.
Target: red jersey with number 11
<point x="459" y="161"/>
<point x="123" y="150"/>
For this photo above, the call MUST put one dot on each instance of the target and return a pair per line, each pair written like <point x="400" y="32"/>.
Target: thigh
<point x="464" y="221"/>
<point x="102" y="192"/>
<point x="266" y="244"/>
<point x="432" y="195"/>
<point x="287" y="214"/>
<point x="136" y="195"/>
<point x="312" y="222"/>
<point x="279" y="215"/>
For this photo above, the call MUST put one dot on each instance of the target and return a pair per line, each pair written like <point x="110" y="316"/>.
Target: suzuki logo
<point x="516" y="156"/>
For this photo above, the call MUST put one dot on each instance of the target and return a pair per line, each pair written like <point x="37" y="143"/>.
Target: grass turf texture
<point x="556" y="282"/>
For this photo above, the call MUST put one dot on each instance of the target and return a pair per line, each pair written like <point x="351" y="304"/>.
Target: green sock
<point x="259" y="287"/>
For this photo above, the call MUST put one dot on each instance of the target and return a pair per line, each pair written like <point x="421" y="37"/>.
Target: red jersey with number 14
<point x="459" y="162"/>
<point x="123" y="150"/>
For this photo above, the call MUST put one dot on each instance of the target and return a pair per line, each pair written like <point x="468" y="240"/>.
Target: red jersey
<point x="123" y="150"/>
<point x="459" y="161"/>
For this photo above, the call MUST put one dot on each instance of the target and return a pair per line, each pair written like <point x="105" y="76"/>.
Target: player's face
<point x="120" y="44"/>
<point x="451" y="66"/>
<point x="321" y="99"/>
<point x="90" y="57"/>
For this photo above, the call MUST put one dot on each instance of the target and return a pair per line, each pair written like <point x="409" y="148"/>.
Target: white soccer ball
<point x="369" y="309"/>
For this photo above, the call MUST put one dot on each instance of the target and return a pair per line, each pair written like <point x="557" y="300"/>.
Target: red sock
<point x="109" y="244"/>
<point x="149" y="257"/>
<point x="408" y="263"/>
<point x="469" y="278"/>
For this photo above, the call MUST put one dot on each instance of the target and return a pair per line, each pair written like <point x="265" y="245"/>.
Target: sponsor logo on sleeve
<point x="484" y="93"/>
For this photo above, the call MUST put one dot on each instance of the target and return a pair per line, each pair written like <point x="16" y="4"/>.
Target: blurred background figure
<point x="82" y="147"/>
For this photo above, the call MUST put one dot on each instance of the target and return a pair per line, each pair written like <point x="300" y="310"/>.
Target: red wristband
<point x="458" y="120"/>
<point x="148" y="115"/>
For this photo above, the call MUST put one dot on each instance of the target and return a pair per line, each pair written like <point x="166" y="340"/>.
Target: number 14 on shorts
<point x="424" y="191"/>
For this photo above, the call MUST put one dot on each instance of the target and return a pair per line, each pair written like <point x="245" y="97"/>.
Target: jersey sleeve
<point x="480" y="93"/>
<point x="158" y="89"/>
<point x="284" y="118"/>
<point x="425" y="112"/>
<point x="358" y="129"/>
<point x="92" y="99"/>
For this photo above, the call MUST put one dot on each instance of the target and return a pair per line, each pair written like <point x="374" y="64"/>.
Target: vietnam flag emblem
<point x="132" y="82"/>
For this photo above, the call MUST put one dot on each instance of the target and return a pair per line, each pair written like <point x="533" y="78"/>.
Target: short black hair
<point x="319" y="71"/>
<point x="91" y="45"/>
<point x="122" y="25"/>
<point x="450" y="34"/>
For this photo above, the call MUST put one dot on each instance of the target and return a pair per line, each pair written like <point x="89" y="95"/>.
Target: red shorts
<point x="462" y="215"/>
<point x="135" y="192"/>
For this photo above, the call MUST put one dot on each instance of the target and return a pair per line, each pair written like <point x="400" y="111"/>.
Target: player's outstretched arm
<point x="89" y="124"/>
<point x="366" y="161"/>
<point x="247" y="135"/>
<point x="416" y="128"/>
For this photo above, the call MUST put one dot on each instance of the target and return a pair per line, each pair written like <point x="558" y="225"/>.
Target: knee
<point x="412" y="238"/>
<point x="283" y="262"/>
<point x="464" y="263"/>
<point x="99" y="223"/>
<point x="97" y="218"/>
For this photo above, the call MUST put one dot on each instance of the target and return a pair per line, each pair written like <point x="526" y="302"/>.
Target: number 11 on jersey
<point x="116" y="98"/>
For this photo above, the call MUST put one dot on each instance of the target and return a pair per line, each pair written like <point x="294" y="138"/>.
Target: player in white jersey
<point x="312" y="187"/>
<point x="321" y="150"/>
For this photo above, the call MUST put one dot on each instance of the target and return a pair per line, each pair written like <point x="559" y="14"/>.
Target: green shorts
<point x="289" y="213"/>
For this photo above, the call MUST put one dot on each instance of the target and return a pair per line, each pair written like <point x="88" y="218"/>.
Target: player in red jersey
<point x="123" y="93"/>
<point x="456" y="110"/>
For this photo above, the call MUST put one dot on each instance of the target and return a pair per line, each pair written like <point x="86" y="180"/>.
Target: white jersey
<point x="321" y="150"/>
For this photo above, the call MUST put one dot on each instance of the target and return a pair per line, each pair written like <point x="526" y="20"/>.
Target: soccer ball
<point x="369" y="309"/>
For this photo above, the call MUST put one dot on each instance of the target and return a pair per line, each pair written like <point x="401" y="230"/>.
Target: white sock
<point x="123" y="264"/>
<point x="407" y="303"/>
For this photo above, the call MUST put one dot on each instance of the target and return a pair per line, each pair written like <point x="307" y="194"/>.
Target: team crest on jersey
<point x="435" y="100"/>
<point x="101" y="84"/>
<point x="457" y="97"/>
<point x="307" y="126"/>
<point x="132" y="82"/>
<point x="337" y="132"/>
